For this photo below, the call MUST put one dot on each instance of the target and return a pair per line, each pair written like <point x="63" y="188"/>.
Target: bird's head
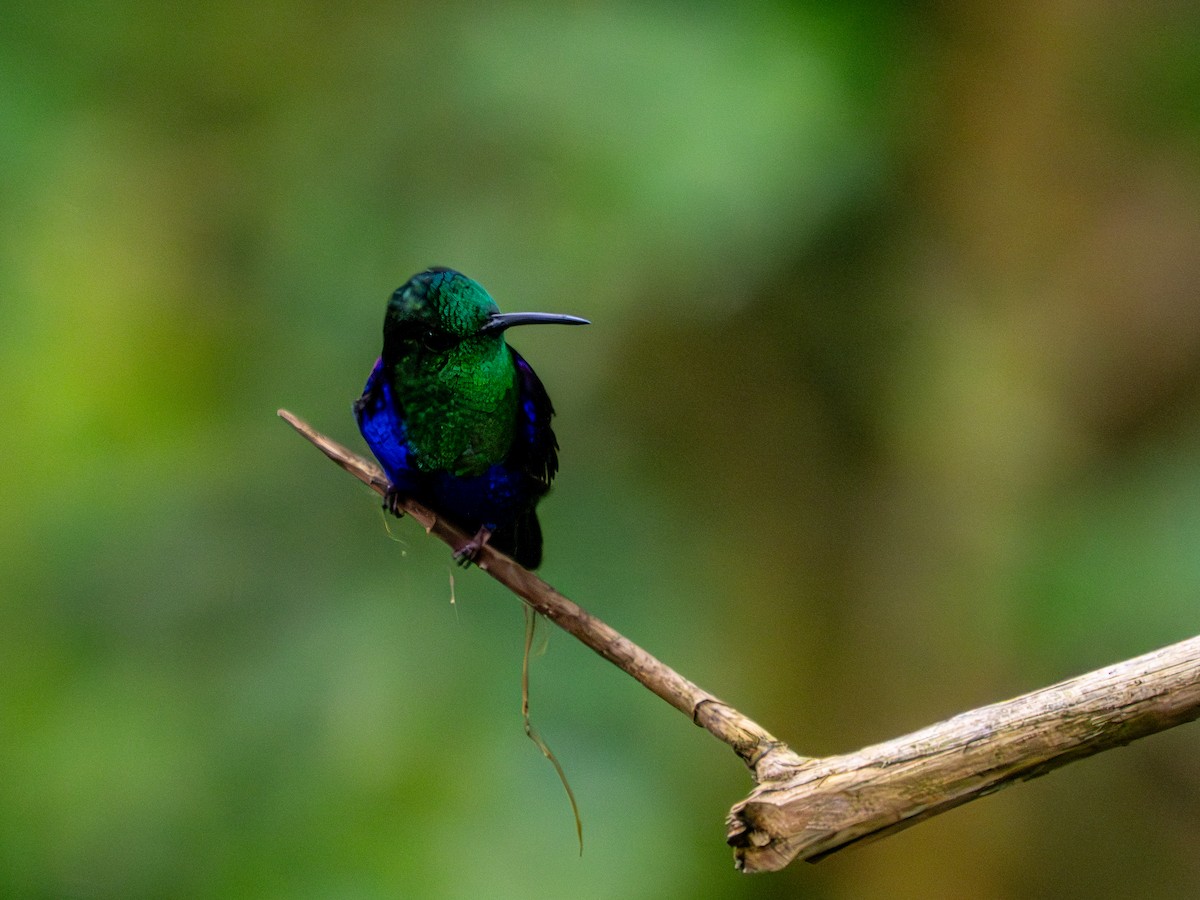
<point x="441" y="313"/>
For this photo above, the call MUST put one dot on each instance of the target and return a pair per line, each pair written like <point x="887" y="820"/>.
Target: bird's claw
<point x="393" y="502"/>
<point x="469" y="552"/>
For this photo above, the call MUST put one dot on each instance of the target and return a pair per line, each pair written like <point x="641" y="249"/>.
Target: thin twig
<point x="807" y="808"/>
<point x="766" y="756"/>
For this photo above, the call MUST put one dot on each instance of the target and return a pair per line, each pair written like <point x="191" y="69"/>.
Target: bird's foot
<point x="393" y="502"/>
<point x="469" y="552"/>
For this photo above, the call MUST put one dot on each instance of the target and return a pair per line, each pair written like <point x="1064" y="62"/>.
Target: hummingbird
<point x="458" y="419"/>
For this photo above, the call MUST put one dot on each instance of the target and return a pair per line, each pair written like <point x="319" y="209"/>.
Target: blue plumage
<point x="459" y="420"/>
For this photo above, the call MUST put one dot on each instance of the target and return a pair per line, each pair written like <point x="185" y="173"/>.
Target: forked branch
<point x="807" y="808"/>
<point x="829" y="803"/>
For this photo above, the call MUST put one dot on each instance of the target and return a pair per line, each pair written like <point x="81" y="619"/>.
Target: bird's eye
<point x="436" y="340"/>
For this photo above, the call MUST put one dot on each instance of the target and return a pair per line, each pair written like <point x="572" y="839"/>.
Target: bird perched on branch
<point x="457" y="418"/>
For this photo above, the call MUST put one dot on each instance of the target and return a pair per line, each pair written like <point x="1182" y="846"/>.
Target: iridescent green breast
<point x="460" y="409"/>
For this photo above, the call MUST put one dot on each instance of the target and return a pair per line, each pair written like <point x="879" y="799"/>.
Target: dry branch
<point x="763" y="753"/>
<point x="807" y="808"/>
<point x="832" y="802"/>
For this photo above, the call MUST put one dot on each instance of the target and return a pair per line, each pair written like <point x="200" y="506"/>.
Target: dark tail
<point x="522" y="540"/>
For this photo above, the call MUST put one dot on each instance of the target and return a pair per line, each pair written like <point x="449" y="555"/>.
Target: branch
<point x="765" y="755"/>
<point x="830" y="803"/>
<point x="807" y="808"/>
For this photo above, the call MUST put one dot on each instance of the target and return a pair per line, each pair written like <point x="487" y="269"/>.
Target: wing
<point x="382" y="426"/>
<point x="535" y="449"/>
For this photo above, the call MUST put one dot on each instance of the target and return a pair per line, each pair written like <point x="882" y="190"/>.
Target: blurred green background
<point x="891" y="408"/>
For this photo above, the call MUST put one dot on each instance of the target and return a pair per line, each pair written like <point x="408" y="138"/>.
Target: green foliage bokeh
<point x="890" y="408"/>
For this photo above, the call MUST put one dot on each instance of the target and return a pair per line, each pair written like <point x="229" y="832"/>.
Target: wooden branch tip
<point x="747" y="738"/>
